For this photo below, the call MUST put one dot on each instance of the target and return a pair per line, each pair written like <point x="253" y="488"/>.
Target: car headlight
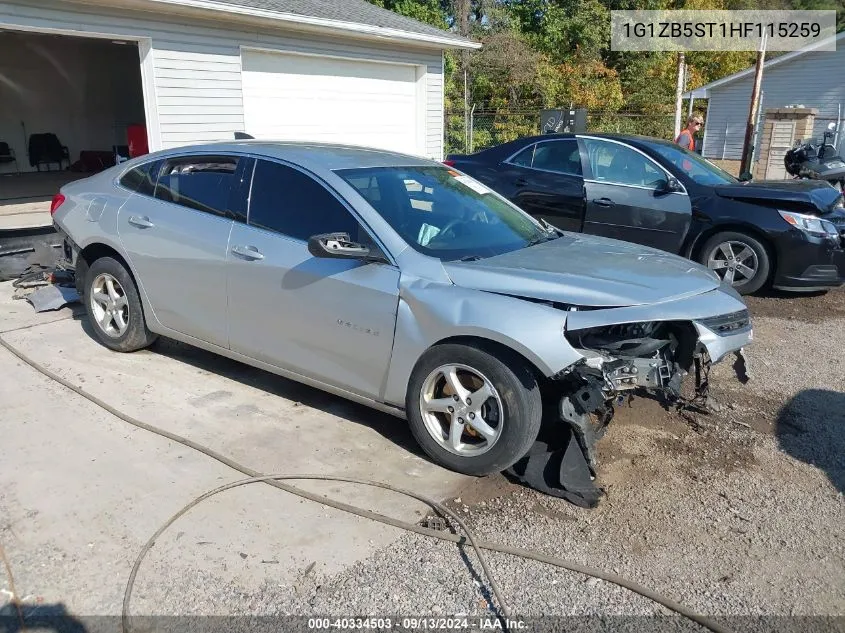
<point x="810" y="224"/>
<point x="726" y="324"/>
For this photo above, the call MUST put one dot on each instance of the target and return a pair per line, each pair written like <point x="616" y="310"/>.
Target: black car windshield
<point x="700" y="170"/>
<point x="443" y="213"/>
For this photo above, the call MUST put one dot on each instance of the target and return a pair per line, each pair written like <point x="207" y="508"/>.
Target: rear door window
<point x="562" y="157"/>
<point x="203" y="183"/>
<point x="142" y="179"/>
<point x="523" y="158"/>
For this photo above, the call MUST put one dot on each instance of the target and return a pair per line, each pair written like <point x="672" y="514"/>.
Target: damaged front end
<point x="650" y="356"/>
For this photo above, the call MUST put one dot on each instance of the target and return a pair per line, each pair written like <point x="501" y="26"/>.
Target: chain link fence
<point x="477" y="129"/>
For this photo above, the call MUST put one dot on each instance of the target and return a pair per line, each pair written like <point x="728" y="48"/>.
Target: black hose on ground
<point x="302" y="493"/>
<point x="339" y="505"/>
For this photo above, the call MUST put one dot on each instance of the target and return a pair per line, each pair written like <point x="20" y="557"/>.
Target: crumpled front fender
<point x="430" y="312"/>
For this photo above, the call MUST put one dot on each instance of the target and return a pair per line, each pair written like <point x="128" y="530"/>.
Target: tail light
<point x="449" y="163"/>
<point x="58" y="199"/>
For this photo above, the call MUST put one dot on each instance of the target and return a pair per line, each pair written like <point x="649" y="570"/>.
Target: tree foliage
<point x="556" y="53"/>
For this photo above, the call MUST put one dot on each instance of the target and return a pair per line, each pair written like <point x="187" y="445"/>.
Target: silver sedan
<point x="393" y="281"/>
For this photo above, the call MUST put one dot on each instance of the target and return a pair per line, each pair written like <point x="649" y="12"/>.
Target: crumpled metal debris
<point x="557" y="466"/>
<point x="742" y="366"/>
<point x="52" y="297"/>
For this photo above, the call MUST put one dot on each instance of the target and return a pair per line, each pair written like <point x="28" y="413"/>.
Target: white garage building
<point x="200" y="70"/>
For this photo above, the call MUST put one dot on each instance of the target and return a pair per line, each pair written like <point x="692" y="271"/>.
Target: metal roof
<point x="703" y="92"/>
<point x="342" y="15"/>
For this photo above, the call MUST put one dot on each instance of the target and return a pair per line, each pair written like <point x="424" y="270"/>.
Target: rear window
<point x="562" y="157"/>
<point x="202" y="183"/>
<point x="142" y="179"/>
<point x="524" y="158"/>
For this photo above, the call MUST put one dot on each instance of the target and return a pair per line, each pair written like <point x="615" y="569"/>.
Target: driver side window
<point x="614" y="163"/>
<point x="288" y="201"/>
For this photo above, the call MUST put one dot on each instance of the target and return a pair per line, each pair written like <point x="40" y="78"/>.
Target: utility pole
<point x="679" y="91"/>
<point x="466" y="114"/>
<point x="686" y="86"/>
<point x="748" y="144"/>
<point x="462" y="10"/>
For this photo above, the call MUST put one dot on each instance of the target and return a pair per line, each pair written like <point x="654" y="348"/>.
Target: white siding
<point x="197" y="66"/>
<point x="816" y="80"/>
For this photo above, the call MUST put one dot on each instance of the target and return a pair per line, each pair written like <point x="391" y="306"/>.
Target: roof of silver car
<point x="329" y="156"/>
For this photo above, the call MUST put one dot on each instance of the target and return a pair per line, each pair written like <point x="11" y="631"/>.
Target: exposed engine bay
<point x="655" y="357"/>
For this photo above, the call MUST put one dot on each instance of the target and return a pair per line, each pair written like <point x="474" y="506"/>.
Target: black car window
<point x="562" y="157"/>
<point x="292" y="203"/>
<point x="142" y="179"/>
<point x="524" y="158"/>
<point x="619" y="164"/>
<point x="198" y="182"/>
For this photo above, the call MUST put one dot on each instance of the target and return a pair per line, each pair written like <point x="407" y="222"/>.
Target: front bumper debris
<point x="656" y="357"/>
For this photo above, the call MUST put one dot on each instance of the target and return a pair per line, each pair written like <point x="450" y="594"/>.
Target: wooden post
<point x="466" y="115"/>
<point x="679" y="91"/>
<point x="748" y="144"/>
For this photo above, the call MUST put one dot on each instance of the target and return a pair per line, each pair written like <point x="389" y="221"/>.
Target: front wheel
<point x="739" y="259"/>
<point x="470" y="411"/>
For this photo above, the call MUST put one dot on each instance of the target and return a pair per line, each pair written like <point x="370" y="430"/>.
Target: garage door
<point x="311" y="98"/>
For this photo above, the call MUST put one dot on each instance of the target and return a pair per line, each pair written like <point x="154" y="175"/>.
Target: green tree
<point x="429" y="11"/>
<point x="556" y="53"/>
<point x="562" y="28"/>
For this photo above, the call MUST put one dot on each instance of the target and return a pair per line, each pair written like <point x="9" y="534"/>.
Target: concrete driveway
<point x="82" y="490"/>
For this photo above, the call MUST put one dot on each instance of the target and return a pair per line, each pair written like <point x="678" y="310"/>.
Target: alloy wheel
<point x="462" y="410"/>
<point x="735" y="262"/>
<point x="109" y="305"/>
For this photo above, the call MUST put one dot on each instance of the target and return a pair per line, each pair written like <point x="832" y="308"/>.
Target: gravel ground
<point x="735" y="514"/>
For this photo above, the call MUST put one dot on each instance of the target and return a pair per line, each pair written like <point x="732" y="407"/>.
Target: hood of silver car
<point x="585" y="270"/>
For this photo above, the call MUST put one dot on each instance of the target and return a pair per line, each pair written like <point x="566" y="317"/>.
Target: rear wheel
<point x="470" y="411"/>
<point x="739" y="259"/>
<point x="114" y="307"/>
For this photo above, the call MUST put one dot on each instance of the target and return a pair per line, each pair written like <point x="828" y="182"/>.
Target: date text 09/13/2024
<point x="461" y="623"/>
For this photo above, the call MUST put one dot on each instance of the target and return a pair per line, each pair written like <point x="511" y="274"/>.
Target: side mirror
<point x="336" y="246"/>
<point x="670" y="185"/>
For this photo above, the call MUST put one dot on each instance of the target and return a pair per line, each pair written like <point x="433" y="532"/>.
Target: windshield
<point x="699" y="169"/>
<point x="443" y="213"/>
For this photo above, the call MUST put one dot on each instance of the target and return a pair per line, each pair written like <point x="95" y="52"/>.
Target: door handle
<point x="521" y="182"/>
<point x="141" y="221"/>
<point x="604" y="202"/>
<point x="249" y="252"/>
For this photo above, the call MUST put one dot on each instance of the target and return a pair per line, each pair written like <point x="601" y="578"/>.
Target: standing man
<point x="686" y="138"/>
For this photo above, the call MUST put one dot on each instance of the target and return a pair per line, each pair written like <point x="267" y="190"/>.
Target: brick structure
<point x="730" y="166"/>
<point x="781" y="128"/>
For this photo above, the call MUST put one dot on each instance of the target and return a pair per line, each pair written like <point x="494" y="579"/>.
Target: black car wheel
<point x="114" y="307"/>
<point x="738" y="259"/>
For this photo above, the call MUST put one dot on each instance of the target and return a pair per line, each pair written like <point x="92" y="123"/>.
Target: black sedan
<point x="786" y="234"/>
